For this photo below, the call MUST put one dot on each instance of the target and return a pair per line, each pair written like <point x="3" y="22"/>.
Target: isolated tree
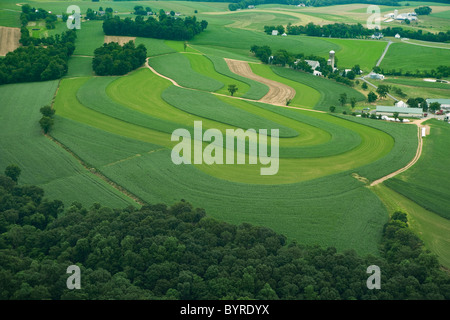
<point x="46" y="123"/>
<point x="396" y="115"/>
<point x="351" y="75"/>
<point x="353" y="102"/>
<point x="343" y="99"/>
<point x="332" y="108"/>
<point x="13" y="171"/>
<point x="371" y="97"/>
<point x="232" y="88"/>
<point x="356" y="69"/>
<point x="364" y="86"/>
<point x="47" y="111"/>
<point x="435" y="106"/>
<point x="383" y="90"/>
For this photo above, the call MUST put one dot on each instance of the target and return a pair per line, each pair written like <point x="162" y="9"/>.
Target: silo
<point x="332" y="59"/>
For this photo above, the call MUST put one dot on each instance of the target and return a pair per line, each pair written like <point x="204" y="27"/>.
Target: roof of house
<point x="399" y="109"/>
<point x="441" y="101"/>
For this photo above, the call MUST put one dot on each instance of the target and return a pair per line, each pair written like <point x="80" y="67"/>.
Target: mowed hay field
<point x="9" y="39"/>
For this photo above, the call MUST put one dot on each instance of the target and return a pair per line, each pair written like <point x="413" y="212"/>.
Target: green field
<point x="121" y="127"/>
<point x="427" y="182"/>
<point x="42" y="161"/>
<point x="145" y="163"/>
<point x="419" y="57"/>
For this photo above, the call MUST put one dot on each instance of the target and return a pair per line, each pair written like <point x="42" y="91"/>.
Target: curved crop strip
<point x="305" y="95"/>
<point x="208" y="106"/>
<point x="67" y="105"/>
<point x="177" y="67"/>
<point x="315" y="211"/>
<point x="133" y="92"/>
<point x="342" y="138"/>
<point x="257" y="89"/>
<point x="308" y="134"/>
<point x="203" y="65"/>
<point x="93" y="95"/>
<point x="375" y="144"/>
<point x="403" y="151"/>
<point x="329" y="89"/>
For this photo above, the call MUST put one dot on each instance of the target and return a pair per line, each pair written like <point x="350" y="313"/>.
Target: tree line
<point x="166" y="27"/>
<point x="32" y="14"/>
<point x="178" y="252"/>
<point x="343" y="30"/>
<point x="114" y="59"/>
<point x="298" y="61"/>
<point x="39" y="59"/>
<point x="439" y="73"/>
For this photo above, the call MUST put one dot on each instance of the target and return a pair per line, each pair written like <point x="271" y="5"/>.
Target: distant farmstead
<point x="274" y="32"/>
<point x="402" y="111"/>
<point x="445" y="103"/>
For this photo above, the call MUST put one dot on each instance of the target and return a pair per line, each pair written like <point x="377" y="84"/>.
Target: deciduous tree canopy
<point x="178" y="252"/>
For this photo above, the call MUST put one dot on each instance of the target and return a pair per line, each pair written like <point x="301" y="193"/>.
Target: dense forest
<point x="178" y="252"/>
<point x="114" y="59"/>
<point x="343" y="30"/>
<point x="166" y="27"/>
<point x="39" y="59"/>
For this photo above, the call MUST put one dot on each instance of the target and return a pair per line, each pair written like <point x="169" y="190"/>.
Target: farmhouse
<point x="376" y="76"/>
<point x="274" y="32"/>
<point x="402" y="111"/>
<point x="410" y="16"/>
<point x="445" y="103"/>
<point x="397" y="36"/>
<point x="401" y="104"/>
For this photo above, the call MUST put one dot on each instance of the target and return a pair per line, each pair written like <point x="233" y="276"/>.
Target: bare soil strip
<point x="120" y="39"/>
<point x="278" y="93"/>
<point x="9" y="40"/>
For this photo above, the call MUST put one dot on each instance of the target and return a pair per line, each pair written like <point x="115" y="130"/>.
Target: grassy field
<point x="79" y="67"/>
<point x="419" y="57"/>
<point x="329" y="91"/>
<point x="42" y="161"/>
<point x="415" y="88"/>
<point x="427" y="182"/>
<point x="178" y="67"/>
